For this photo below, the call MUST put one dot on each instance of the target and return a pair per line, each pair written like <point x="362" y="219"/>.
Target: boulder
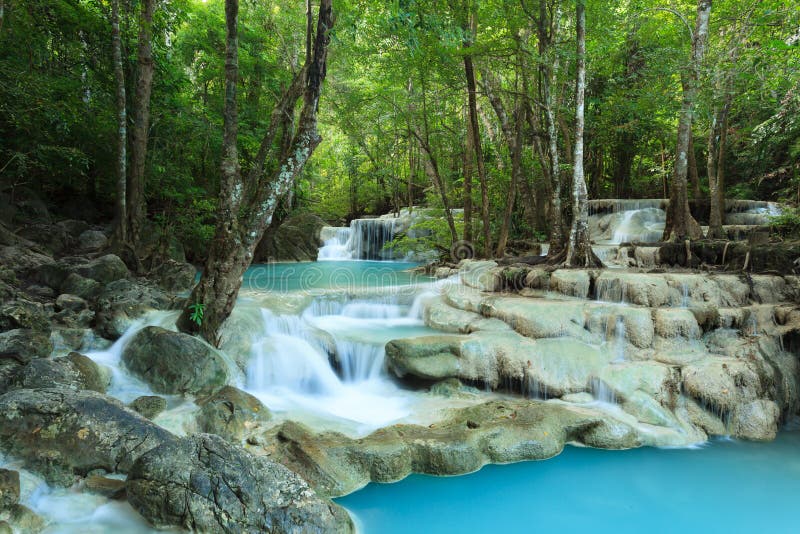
<point x="60" y="433"/>
<point x="21" y="519"/>
<point x="23" y="345"/>
<point x="122" y="302"/>
<point x="232" y="414"/>
<point x="175" y="363"/>
<point x="111" y="488"/>
<point x="296" y="239"/>
<point x="149" y="406"/>
<point x="73" y="303"/>
<point x="74" y="371"/>
<point x="80" y="286"/>
<point x="22" y="313"/>
<point x="175" y="276"/>
<point x="205" y="484"/>
<point x="51" y="237"/>
<point x="105" y="269"/>
<point x="92" y="240"/>
<point x="9" y="488"/>
<point x="22" y="260"/>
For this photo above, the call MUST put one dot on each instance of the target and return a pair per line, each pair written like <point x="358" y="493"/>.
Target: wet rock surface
<point x="173" y="362"/>
<point x="62" y="433"/>
<point x="205" y="484"/>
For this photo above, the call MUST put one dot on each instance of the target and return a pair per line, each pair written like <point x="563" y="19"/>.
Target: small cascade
<point x="359" y="362"/>
<point x="289" y="356"/>
<point x="684" y="295"/>
<point x="619" y="340"/>
<point x="363" y="240"/>
<point x="368" y="237"/>
<point x="601" y="391"/>
<point x="334" y="243"/>
<point x="750" y="212"/>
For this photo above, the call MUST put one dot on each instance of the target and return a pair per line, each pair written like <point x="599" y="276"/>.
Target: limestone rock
<point x="676" y="322"/>
<point x="756" y="420"/>
<point x="481" y="275"/>
<point x="61" y="433"/>
<point x="173" y="362"/>
<point x="205" y="484"/>
<point x="722" y="382"/>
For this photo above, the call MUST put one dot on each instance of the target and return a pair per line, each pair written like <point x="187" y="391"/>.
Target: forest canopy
<point x="394" y="114"/>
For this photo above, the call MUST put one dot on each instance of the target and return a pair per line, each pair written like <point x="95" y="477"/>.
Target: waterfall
<point x="334" y="244"/>
<point x="363" y="240"/>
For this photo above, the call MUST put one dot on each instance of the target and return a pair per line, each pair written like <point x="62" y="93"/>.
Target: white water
<point x="363" y="240"/>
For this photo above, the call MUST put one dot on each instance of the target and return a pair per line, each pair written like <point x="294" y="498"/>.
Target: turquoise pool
<point x="725" y="486"/>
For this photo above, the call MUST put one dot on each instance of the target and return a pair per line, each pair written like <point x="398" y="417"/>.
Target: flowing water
<point x="312" y="350"/>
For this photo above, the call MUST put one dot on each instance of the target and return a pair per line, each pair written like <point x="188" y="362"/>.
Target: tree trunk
<point x="121" y="215"/>
<point x="680" y="223"/>
<point x="512" y="135"/>
<point x="137" y="207"/>
<point x="432" y="170"/>
<point x="715" y="163"/>
<point x="579" y="248"/>
<point x="246" y="209"/>
<point x="2" y="13"/>
<point x="694" y="178"/>
<point x="474" y="132"/>
<point x="469" y="153"/>
<point x="547" y="77"/>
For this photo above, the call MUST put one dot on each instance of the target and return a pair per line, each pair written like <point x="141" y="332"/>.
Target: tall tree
<point x="680" y="223"/>
<point x="579" y="248"/>
<point x="121" y="216"/>
<point x="474" y="134"/>
<point x="547" y="30"/>
<point x="247" y="204"/>
<point x="136" y="202"/>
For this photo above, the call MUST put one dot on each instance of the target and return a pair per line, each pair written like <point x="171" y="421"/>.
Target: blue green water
<point x="330" y="275"/>
<point x="725" y="486"/>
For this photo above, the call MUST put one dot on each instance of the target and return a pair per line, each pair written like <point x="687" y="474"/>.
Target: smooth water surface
<point x="724" y="486"/>
<point x="342" y="275"/>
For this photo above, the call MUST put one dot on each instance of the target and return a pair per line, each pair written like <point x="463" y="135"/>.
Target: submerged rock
<point x="205" y="484"/>
<point x="173" y="362"/>
<point x="61" y="433"/>
<point x="232" y="414"/>
<point x="20" y="518"/>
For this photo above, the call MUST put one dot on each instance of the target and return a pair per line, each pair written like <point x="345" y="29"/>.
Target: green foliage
<point x="430" y="233"/>
<point x="196" y="311"/>
<point x="787" y="224"/>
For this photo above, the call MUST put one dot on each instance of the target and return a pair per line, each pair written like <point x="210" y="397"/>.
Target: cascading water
<point x="365" y="239"/>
